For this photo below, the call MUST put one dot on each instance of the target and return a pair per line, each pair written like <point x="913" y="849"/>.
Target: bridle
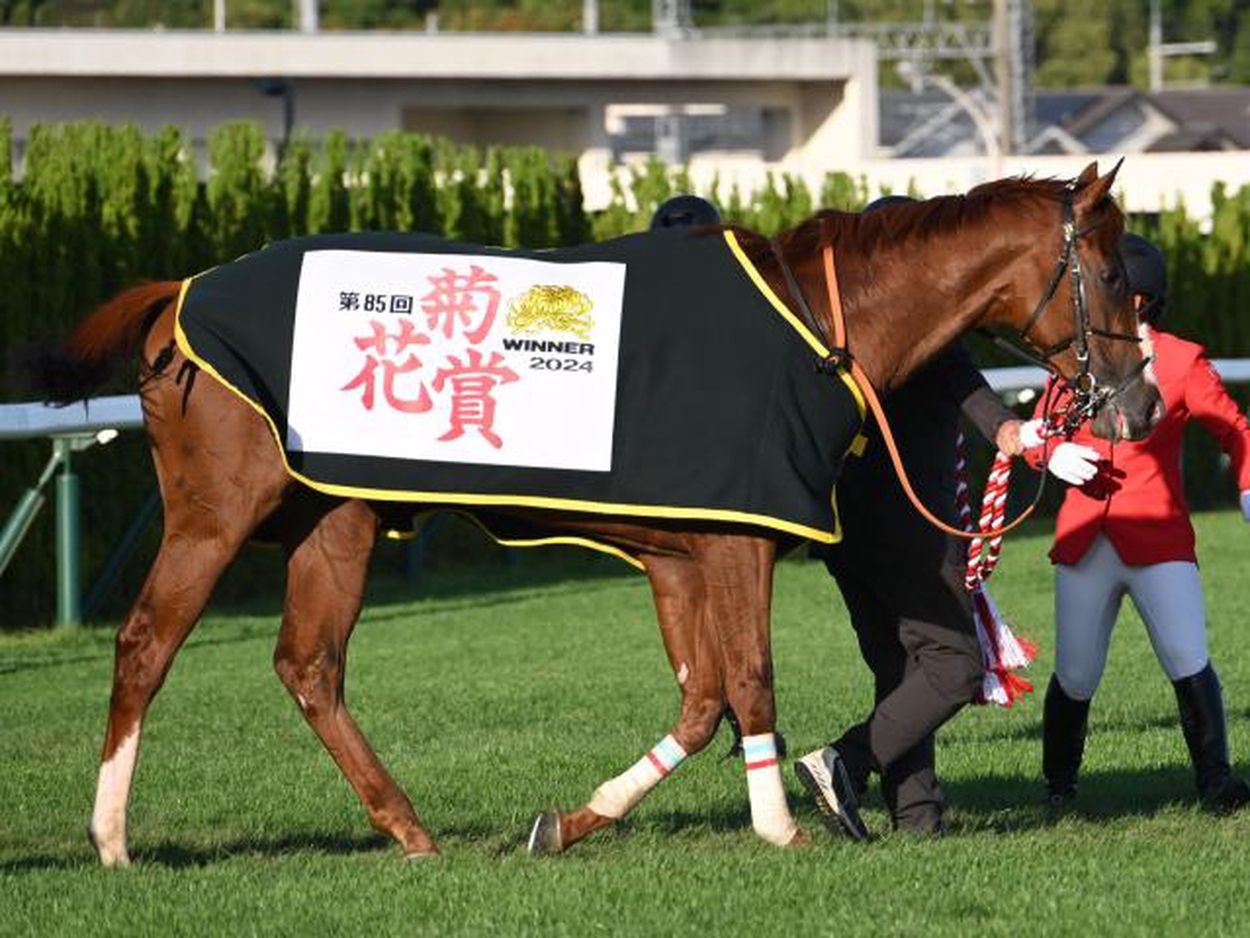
<point x="1087" y="397"/>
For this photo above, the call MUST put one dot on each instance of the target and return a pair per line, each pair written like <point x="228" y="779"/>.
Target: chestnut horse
<point x="912" y="277"/>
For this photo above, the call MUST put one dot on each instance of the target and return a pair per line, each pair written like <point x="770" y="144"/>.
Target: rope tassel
<point x="1002" y="653"/>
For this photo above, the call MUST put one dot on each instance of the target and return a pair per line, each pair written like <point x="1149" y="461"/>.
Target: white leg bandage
<point x="615" y="798"/>
<point x="108" y="818"/>
<point x="770" y="815"/>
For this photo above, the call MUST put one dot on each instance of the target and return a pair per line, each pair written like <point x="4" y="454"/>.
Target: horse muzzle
<point x="1131" y="415"/>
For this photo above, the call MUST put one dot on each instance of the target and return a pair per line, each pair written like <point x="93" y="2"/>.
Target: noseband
<point x="1087" y="397"/>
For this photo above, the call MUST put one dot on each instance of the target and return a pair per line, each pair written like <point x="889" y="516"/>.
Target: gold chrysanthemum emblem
<point x="553" y="308"/>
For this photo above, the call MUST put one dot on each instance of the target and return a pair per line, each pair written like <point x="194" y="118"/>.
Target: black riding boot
<point x="1064" y="722"/>
<point x="1202" y="721"/>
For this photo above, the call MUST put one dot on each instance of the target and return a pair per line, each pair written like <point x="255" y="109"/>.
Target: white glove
<point x="1245" y="504"/>
<point x="1031" y="433"/>
<point x="1074" y="463"/>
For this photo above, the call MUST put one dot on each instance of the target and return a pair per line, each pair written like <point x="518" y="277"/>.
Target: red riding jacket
<point x="1137" y="499"/>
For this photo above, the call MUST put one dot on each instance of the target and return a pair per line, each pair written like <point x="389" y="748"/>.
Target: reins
<point x="839" y="357"/>
<point x="1087" y="396"/>
<point x="887" y="435"/>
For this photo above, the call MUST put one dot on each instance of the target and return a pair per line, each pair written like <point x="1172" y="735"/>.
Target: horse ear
<point x="1094" y="188"/>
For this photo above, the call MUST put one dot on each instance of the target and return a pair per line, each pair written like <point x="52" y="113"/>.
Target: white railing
<point x="86" y="423"/>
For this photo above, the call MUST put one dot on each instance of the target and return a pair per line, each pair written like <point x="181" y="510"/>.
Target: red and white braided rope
<point x="983" y="553"/>
<point x="1001" y="651"/>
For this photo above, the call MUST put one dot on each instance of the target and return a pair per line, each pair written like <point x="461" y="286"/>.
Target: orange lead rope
<point x="874" y="405"/>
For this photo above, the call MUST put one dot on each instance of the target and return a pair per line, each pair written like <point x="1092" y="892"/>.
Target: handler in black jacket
<point x="903" y="583"/>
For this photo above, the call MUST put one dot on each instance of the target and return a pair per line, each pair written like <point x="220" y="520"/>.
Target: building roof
<point x="515" y="56"/>
<point x="1078" y="120"/>
<point x="1226" y="109"/>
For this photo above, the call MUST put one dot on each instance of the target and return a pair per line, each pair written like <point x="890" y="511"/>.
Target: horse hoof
<point x="545" y="837"/>
<point x="417" y="855"/>
<point x="111" y="856"/>
<point x="800" y="840"/>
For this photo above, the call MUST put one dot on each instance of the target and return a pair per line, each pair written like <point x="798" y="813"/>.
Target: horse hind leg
<point x="178" y="586"/>
<point x="326" y="573"/>
<point x="219" y="476"/>
<point x="739" y="572"/>
<point x="678" y="589"/>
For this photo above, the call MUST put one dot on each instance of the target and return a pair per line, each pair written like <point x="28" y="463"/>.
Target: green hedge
<point x="101" y="207"/>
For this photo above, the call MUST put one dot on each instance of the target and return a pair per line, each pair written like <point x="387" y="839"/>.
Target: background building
<point x="731" y="108"/>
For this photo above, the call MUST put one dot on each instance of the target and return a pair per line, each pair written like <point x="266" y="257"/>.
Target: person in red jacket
<point x="1124" y="528"/>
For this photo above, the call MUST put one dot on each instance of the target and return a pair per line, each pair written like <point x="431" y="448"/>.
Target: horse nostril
<point x="1156" y="413"/>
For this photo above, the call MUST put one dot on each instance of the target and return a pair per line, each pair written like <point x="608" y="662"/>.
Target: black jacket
<point x="924" y="417"/>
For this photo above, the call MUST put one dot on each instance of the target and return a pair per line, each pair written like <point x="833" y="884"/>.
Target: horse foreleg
<point x="175" y="593"/>
<point x="679" y="597"/>
<point x="739" y="575"/>
<point x="326" y="573"/>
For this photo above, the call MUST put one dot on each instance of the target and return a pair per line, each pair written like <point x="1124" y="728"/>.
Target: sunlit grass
<point x="491" y="699"/>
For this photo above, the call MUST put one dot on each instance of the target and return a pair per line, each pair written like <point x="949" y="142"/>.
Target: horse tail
<point x="85" y="361"/>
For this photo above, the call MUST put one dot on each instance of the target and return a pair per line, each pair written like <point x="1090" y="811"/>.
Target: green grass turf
<point x="493" y="697"/>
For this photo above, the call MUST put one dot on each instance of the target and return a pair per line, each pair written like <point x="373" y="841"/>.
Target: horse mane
<point x="937" y="217"/>
<point x="882" y="255"/>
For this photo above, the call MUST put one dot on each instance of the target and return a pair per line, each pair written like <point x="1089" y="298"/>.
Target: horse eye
<point x="1111" y="276"/>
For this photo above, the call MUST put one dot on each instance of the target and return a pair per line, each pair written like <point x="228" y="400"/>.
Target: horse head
<point x="1065" y="297"/>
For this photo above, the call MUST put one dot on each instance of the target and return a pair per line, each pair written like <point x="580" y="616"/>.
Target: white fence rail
<point x="81" y="425"/>
<point x="121" y="412"/>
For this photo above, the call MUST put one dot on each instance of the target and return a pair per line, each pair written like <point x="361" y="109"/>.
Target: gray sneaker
<point x="824" y="775"/>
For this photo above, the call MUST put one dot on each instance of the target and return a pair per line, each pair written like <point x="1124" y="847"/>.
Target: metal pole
<point x="306" y="16"/>
<point x="68" y="591"/>
<point x="219" y="16"/>
<point x="1155" y="51"/>
<point x="18" y="524"/>
<point x="1003" y="75"/>
<point x="288" y="115"/>
<point x="24" y="514"/>
<point x="982" y="121"/>
<point x="590" y="17"/>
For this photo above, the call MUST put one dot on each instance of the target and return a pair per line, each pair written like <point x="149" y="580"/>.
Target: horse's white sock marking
<point x="682" y="673"/>
<point x="616" y="797"/>
<point x="108" y="819"/>
<point x="770" y="815"/>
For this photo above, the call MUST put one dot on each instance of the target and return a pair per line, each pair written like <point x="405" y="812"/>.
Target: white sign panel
<point x="456" y="358"/>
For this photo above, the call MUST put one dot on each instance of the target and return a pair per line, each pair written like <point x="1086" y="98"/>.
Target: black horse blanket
<point x="653" y="376"/>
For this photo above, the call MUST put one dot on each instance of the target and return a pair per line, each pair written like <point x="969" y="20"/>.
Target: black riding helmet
<point x="886" y="200"/>
<point x="1147" y="274"/>
<point x="685" y="211"/>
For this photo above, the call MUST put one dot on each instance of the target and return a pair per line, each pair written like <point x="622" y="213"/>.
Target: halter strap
<point x="1061" y="265"/>
<point x="837" y="356"/>
<point x="1067" y="262"/>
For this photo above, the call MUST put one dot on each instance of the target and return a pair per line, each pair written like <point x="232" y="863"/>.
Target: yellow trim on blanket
<point x="572" y="539"/>
<point x="762" y="285"/>
<point x="859" y="441"/>
<point x="513" y="501"/>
